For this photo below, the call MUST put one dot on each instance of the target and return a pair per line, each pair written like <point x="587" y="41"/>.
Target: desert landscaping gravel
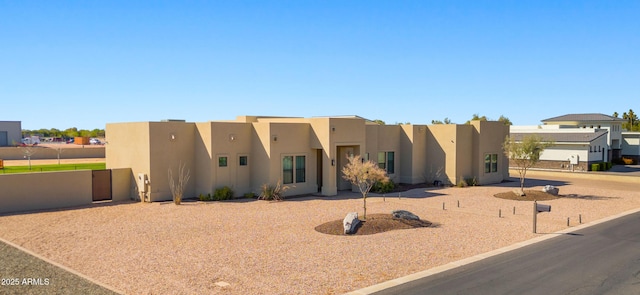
<point x="260" y="247"/>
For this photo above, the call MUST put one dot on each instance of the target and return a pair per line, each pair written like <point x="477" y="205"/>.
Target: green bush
<point x="206" y="197"/>
<point x="462" y="183"/>
<point x="595" y="167"/>
<point x="224" y="193"/>
<point x="383" y="187"/>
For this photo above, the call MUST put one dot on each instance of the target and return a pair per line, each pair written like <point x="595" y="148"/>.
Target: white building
<point x="580" y="140"/>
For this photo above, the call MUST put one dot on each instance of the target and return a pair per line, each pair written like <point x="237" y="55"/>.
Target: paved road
<point x="602" y="259"/>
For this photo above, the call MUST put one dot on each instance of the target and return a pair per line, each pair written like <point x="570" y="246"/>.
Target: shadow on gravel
<point x="532" y="182"/>
<point x="93" y="205"/>
<point x="587" y="197"/>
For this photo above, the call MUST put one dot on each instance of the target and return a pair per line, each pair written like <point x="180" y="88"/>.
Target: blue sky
<point x="88" y="63"/>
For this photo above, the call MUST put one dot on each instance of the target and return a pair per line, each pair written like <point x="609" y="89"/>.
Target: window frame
<point x="221" y="163"/>
<point x="491" y="163"/>
<point x="243" y="160"/>
<point x="388" y="164"/>
<point x="296" y="170"/>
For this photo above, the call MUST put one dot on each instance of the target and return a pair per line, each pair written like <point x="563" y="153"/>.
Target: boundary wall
<point x="22" y="192"/>
<point x="41" y="152"/>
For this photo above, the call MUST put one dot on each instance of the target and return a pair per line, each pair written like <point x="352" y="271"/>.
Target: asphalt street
<point x="602" y="259"/>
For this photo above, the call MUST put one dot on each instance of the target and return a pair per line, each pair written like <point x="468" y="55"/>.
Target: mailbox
<point x="543" y="208"/>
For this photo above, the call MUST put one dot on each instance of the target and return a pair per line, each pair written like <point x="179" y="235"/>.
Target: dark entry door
<point x="4" y="139"/>
<point x="101" y="185"/>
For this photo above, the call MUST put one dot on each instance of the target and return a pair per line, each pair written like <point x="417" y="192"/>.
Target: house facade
<point x="579" y="140"/>
<point x="10" y="133"/>
<point x="306" y="154"/>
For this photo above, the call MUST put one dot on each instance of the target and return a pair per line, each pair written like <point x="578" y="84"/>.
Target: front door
<point x="343" y="151"/>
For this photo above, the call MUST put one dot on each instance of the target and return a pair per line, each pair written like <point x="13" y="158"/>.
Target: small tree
<point x="28" y="151"/>
<point x="177" y="186"/>
<point x="525" y="154"/>
<point x="363" y="174"/>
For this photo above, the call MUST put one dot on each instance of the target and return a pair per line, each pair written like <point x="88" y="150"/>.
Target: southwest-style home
<point x="306" y="154"/>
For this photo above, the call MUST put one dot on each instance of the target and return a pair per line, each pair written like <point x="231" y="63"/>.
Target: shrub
<point x="224" y="193"/>
<point x="471" y="181"/>
<point x="272" y="192"/>
<point x="462" y="183"/>
<point x="383" y="187"/>
<point x="595" y="167"/>
<point x="250" y="195"/>
<point x="206" y="197"/>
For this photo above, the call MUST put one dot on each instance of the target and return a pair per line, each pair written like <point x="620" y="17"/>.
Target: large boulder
<point x="550" y="189"/>
<point x="404" y="214"/>
<point x="350" y="223"/>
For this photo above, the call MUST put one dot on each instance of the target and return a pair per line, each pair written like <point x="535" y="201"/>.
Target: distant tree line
<point x="632" y="123"/>
<point x="475" y="117"/>
<point x="67" y="133"/>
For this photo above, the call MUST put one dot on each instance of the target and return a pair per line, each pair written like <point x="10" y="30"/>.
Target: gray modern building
<point x="10" y="133"/>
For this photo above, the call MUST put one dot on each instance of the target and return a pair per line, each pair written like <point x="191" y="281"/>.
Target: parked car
<point x="94" y="141"/>
<point x="70" y="140"/>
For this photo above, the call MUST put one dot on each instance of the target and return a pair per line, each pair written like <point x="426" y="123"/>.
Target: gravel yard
<point x="260" y="247"/>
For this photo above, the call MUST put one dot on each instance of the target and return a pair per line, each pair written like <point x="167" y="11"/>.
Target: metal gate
<point x="101" y="183"/>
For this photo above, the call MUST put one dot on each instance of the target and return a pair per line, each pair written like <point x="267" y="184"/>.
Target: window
<point x="287" y="169"/>
<point x="490" y="163"/>
<point x="494" y="163"/>
<point x="243" y="161"/>
<point x="386" y="161"/>
<point x="300" y="169"/>
<point x="288" y="172"/>
<point x="222" y="161"/>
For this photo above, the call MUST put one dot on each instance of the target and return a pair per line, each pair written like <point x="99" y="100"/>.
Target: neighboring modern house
<point x="306" y="154"/>
<point x="10" y="133"/>
<point x="579" y="140"/>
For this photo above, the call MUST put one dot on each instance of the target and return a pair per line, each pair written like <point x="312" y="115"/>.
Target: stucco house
<point x="579" y="140"/>
<point x="10" y="133"/>
<point x="306" y="154"/>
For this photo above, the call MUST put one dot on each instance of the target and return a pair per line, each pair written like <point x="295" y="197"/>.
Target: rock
<point x="350" y="223"/>
<point x="403" y="214"/>
<point x="551" y="190"/>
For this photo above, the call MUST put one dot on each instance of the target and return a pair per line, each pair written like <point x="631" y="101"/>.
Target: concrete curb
<point x="62" y="267"/>
<point x="452" y="265"/>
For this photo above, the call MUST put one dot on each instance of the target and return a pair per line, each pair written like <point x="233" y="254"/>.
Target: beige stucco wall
<point x="413" y="154"/>
<point x="223" y="139"/>
<point x="168" y="153"/>
<point x="47" y="190"/>
<point x="487" y="135"/>
<point x="122" y="185"/>
<point x="441" y="148"/>
<point x="128" y="147"/>
<point x="292" y="140"/>
<point x="152" y="148"/>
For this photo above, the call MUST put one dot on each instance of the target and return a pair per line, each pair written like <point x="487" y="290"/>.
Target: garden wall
<point x="54" y="190"/>
<point x="40" y="152"/>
